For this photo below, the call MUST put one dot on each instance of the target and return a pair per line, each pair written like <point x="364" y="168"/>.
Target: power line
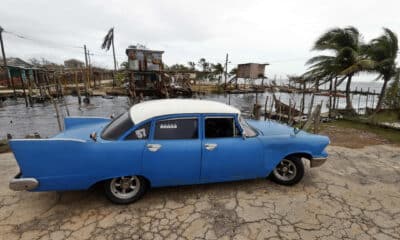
<point x="41" y="41"/>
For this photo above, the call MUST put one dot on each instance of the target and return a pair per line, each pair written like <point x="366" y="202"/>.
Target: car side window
<point x="140" y="133"/>
<point x="179" y="128"/>
<point x="221" y="127"/>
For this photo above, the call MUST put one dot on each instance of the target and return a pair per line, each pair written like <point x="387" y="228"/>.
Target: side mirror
<point x="93" y="136"/>
<point x="244" y="136"/>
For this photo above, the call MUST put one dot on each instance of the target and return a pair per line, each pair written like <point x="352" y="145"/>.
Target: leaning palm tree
<point x="346" y="59"/>
<point x="383" y="51"/>
<point x="107" y="43"/>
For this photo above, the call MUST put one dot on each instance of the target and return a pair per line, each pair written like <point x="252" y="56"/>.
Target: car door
<point x="173" y="153"/>
<point x="226" y="155"/>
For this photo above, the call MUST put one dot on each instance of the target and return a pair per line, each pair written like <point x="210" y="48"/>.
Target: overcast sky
<point x="278" y="32"/>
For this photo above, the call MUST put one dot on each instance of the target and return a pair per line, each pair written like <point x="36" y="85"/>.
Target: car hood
<point x="272" y="128"/>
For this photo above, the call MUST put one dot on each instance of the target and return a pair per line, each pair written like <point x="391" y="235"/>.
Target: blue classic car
<point x="164" y="143"/>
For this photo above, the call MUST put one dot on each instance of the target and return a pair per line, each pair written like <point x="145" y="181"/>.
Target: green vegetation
<point x="347" y="55"/>
<point x="385" y="116"/>
<point x="391" y="135"/>
<point x="392" y="97"/>
<point x="346" y="60"/>
<point x="4" y="146"/>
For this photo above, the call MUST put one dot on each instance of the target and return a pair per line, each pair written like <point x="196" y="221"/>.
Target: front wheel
<point x="288" y="172"/>
<point x="124" y="190"/>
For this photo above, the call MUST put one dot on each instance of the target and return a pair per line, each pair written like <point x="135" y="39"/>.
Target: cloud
<point x="279" y="32"/>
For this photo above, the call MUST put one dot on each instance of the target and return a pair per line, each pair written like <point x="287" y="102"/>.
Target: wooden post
<point x="30" y="87"/>
<point x="23" y="87"/>
<point x="290" y="110"/>
<point x="271" y="107"/>
<point x="226" y="70"/>
<point x="115" y="60"/>
<point x="373" y="100"/>
<point x="265" y="108"/>
<point x="366" y="103"/>
<point x="280" y="109"/>
<point x="9" y="77"/>
<point x="309" y="112"/>
<point x="55" y="106"/>
<point x="78" y="92"/>
<point x="303" y="97"/>
<point x="358" y="106"/>
<point x="86" y="67"/>
<point x="317" y="117"/>
<point x="330" y="98"/>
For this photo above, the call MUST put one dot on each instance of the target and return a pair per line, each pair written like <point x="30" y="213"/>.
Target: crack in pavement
<point x="355" y="195"/>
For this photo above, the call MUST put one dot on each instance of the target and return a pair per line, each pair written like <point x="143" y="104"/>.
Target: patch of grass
<point x="386" y="116"/>
<point x="391" y="135"/>
<point x="4" y="147"/>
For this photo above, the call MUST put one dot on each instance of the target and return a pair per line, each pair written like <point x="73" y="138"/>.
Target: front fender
<point x="279" y="146"/>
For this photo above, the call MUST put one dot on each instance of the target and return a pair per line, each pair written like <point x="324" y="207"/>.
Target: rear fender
<point x="72" y="122"/>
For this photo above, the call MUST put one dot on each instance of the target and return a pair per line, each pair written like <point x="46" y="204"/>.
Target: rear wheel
<point x="124" y="190"/>
<point x="289" y="171"/>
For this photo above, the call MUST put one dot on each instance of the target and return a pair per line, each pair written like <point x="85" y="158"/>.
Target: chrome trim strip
<point x="316" y="162"/>
<point x="91" y="117"/>
<point x="21" y="184"/>
<point x="48" y="139"/>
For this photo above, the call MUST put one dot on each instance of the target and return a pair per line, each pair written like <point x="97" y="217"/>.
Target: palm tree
<point x="346" y="60"/>
<point x="392" y="96"/>
<point x="204" y="64"/>
<point x="233" y="71"/>
<point x="383" y="51"/>
<point x="107" y="42"/>
<point x="218" y="69"/>
<point x="192" y="65"/>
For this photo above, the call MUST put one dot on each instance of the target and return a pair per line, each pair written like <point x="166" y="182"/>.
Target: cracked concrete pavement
<point x="355" y="195"/>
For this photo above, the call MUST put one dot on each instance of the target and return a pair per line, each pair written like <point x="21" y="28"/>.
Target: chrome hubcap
<point x="125" y="187"/>
<point x="286" y="170"/>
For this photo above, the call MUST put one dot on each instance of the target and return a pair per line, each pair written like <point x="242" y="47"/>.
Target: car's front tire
<point x="125" y="190"/>
<point x="289" y="171"/>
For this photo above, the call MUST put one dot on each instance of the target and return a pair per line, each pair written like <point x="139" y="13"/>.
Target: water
<point x="20" y="121"/>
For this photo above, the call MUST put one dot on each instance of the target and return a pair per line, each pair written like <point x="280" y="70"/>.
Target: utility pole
<point x="115" y="60"/>
<point x="90" y="67"/>
<point x="85" y="81"/>
<point x="226" y="69"/>
<point x="9" y="78"/>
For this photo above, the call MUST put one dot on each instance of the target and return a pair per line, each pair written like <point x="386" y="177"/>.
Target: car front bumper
<point x="316" y="162"/>
<point x="21" y="184"/>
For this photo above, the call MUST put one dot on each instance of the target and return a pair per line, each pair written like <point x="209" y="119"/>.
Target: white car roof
<point x="155" y="108"/>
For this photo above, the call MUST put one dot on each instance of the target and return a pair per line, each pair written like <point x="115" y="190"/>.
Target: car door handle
<point x="210" y="146"/>
<point x="153" y="147"/>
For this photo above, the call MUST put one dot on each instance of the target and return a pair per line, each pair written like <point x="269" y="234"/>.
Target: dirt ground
<point x="355" y="195"/>
<point x="352" y="138"/>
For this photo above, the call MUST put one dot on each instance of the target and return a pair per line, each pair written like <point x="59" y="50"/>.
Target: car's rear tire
<point x="289" y="171"/>
<point x="125" y="190"/>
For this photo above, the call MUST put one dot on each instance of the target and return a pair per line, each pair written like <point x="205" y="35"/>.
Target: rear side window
<point x="220" y="127"/>
<point x="117" y="127"/>
<point x="184" y="128"/>
<point x="140" y="133"/>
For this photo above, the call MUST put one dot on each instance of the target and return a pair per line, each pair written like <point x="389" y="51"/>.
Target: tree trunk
<point x="381" y="96"/>
<point x="349" y="105"/>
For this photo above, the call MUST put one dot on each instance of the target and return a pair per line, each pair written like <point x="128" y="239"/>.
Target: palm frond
<point x="107" y="41"/>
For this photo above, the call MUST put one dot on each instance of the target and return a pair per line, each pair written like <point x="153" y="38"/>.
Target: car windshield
<point x="248" y="130"/>
<point x="117" y="127"/>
